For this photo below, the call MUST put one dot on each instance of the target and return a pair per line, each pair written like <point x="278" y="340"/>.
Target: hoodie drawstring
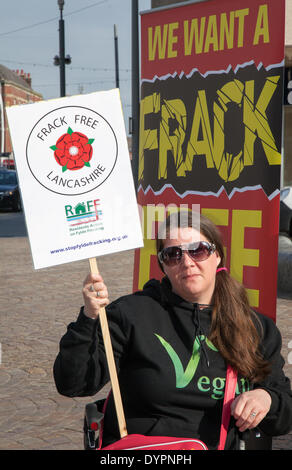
<point x="199" y="332"/>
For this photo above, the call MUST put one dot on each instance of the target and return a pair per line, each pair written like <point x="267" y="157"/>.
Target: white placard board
<point x="75" y="177"/>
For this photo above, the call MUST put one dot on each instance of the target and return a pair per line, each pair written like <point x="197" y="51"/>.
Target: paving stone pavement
<point x="36" y="307"/>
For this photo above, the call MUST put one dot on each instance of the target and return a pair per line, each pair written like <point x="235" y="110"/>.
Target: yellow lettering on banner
<point x="211" y="34"/>
<point x="146" y="252"/>
<point x="218" y="217"/>
<point x="229" y="166"/>
<point x="226" y="31"/>
<point x="150" y="214"/>
<point x="158" y="40"/>
<point x="148" y="137"/>
<point x="172" y="112"/>
<point x="256" y="122"/>
<point x="194" y="33"/>
<point x="195" y="146"/>
<point x="206" y="33"/>
<point x="240" y="256"/>
<point x="262" y="26"/>
<point x="241" y="14"/>
<point x="172" y="40"/>
<point x="208" y="140"/>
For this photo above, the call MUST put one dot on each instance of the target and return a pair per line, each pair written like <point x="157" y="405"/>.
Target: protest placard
<point x="211" y="131"/>
<point x="77" y="188"/>
<point x="75" y="177"/>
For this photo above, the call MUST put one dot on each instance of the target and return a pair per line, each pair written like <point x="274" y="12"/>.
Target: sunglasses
<point x="198" y="251"/>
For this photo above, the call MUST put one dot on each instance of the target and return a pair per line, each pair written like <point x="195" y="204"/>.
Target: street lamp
<point x="116" y="57"/>
<point x="61" y="60"/>
<point x="134" y="120"/>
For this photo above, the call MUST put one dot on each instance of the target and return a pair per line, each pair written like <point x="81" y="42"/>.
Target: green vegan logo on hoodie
<point x="183" y="377"/>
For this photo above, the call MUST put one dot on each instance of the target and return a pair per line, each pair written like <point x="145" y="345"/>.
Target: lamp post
<point x="134" y="120"/>
<point x="62" y="49"/>
<point x="116" y="57"/>
<point x="60" y="59"/>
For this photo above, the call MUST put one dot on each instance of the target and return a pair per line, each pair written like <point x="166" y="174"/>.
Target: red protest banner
<point x="210" y="130"/>
<point x="211" y="35"/>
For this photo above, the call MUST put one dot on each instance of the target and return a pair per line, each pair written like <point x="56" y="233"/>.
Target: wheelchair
<point x="93" y="417"/>
<point x="253" y="439"/>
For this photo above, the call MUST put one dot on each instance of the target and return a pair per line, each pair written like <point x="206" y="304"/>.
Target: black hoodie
<point x="171" y="376"/>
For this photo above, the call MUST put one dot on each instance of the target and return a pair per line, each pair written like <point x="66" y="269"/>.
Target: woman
<point x="172" y="342"/>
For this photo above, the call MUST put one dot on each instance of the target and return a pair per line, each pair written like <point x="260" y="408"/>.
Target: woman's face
<point x="191" y="280"/>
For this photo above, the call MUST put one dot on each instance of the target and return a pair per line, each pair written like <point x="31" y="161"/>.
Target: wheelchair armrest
<point x="255" y="439"/>
<point x="93" y="416"/>
<point x="92" y="422"/>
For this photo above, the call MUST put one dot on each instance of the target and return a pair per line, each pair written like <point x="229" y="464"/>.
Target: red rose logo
<point x="73" y="150"/>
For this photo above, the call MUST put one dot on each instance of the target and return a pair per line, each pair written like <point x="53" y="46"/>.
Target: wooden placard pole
<point x="110" y="361"/>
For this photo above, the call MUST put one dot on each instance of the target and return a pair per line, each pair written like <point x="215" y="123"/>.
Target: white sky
<point x="29" y="40"/>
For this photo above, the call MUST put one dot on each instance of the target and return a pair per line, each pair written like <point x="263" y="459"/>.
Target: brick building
<point x="15" y="88"/>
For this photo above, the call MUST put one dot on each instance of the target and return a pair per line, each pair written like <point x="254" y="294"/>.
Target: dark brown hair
<point x="235" y="328"/>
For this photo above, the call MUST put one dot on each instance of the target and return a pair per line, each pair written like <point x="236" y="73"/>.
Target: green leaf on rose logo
<point x="90" y="141"/>
<point x="69" y="131"/>
<point x="64" y="168"/>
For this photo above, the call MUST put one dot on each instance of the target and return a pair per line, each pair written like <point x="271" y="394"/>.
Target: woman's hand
<point x="95" y="295"/>
<point x="250" y="408"/>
